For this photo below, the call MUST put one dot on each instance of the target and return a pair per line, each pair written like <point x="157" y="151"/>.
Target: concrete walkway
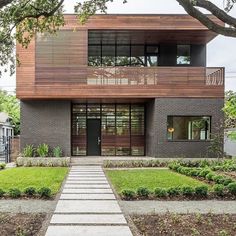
<point x="87" y="206"/>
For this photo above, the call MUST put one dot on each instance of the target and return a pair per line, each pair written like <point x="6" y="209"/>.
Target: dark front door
<point x="94" y="137"/>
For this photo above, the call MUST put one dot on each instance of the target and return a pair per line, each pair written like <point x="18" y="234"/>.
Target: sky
<point x="221" y="52"/>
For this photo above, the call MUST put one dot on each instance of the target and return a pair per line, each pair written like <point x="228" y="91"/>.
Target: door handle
<point x="99" y="140"/>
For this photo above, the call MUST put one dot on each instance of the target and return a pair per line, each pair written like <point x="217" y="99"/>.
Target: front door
<point x="94" y="137"/>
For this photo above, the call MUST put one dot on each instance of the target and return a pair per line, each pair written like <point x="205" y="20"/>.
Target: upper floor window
<point x="183" y="55"/>
<point x="188" y="127"/>
<point x="122" y="55"/>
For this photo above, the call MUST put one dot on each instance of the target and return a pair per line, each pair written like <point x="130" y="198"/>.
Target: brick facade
<point x="46" y="122"/>
<point x="157" y="111"/>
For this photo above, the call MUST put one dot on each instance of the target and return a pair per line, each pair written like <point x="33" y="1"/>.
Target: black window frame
<point x="189" y="140"/>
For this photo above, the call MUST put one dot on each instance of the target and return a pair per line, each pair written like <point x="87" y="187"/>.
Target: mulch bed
<point x="21" y="224"/>
<point x="187" y="224"/>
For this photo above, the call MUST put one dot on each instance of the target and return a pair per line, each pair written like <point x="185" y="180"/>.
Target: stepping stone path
<point x="87" y="206"/>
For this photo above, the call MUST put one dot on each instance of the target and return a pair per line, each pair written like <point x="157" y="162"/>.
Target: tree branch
<point x="216" y="11"/>
<point x="188" y="5"/>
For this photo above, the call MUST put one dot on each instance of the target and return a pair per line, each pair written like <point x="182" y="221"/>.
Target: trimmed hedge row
<point x="200" y="192"/>
<point x="222" y="183"/>
<point x="134" y="163"/>
<point x="43" y="192"/>
<point x="215" y="165"/>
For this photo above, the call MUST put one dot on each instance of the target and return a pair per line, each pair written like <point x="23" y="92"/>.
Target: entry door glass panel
<point x="108" y="130"/>
<point x="94" y="138"/>
<point x="79" y="136"/>
<point x="122" y="130"/>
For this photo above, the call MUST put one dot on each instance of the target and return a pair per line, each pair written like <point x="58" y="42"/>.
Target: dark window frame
<point x="190" y="55"/>
<point x="189" y="140"/>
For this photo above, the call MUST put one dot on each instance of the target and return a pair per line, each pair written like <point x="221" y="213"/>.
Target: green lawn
<point x="149" y="178"/>
<point x="37" y="177"/>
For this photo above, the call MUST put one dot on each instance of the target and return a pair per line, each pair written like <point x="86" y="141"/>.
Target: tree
<point x="230" y="113"/>
<point x="10" y="105"/>
<point x="33" y="16"/>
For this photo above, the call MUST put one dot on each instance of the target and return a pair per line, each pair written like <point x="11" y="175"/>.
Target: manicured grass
<point x="149" y="178"/>
<point x="37" y="177"/>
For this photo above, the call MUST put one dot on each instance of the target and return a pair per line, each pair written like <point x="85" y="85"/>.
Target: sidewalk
<point x="87" y="206"/>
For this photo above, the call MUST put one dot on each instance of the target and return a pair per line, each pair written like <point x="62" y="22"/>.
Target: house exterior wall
<point x="46" y="122"/>
<point x="157" y="111"/>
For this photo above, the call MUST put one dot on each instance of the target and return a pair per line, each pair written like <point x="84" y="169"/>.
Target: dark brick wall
<point x="46" y="122"/>
<point x="157" y="111"/>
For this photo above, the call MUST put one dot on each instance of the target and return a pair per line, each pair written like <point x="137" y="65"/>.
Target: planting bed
<point x="189" y="224"/>
<point x="21" y="224"/>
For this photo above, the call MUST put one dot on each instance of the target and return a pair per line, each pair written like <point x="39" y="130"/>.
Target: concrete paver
<point x="87" y="206"/>
<point x="88" y="231"/>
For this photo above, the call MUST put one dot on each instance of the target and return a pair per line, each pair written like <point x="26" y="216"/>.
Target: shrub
<point x="1" y="192"/>
<point x="187" y="191"/>
<point x="227" y="181"/>
<point x="143" y="192"/>
<point x="210" y="176"/>
<point x="128" y="194"/>
<point x="14" y="193"/>
<point x="28" y="151"/>
<point x="204" y="172"/>
<point x="2" y="166"/>
<point x="45" y="192"/>
<point x="194" y="172"/>
<point x="201" y="190"/>
<point x="219" y="189"/>
<point x="30" y="191"/>
<point x="57" y="152"/>
<point x="218" y="179"/>
<point x="42" y="150"/>
<point x="160" y="192"/>
<point x="232" y="188"/>
<point x="173" y="191"/>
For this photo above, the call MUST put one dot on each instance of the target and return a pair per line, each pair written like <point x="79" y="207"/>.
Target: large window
<point x="123" y="55"/>
<point x="188" y="127"/>
<point x="183" y="55"/>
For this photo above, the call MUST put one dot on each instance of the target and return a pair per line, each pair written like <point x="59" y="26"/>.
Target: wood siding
<point x="55" y="67"/>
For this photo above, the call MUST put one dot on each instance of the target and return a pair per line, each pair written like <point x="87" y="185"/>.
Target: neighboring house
<point x="121" y="85"/>
<point x="6" y="128"/>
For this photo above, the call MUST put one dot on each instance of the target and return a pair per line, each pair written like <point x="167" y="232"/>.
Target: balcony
<point x="155" y="76"/>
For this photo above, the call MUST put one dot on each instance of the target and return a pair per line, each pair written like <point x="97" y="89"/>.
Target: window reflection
<point x="188" y="128"/>
<point x="183" y="55"/>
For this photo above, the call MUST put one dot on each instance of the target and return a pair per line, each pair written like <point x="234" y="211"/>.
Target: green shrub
<point x="201" y="190"/>
<point x="187" y="191"/>
<point x="160" y="192"/>
<point x="14" y="193"/>
<point x="42" y="150"/>
<point x="45" y="192"/>
<point x="57" y="151"/>
<point x="218" y="179"/>
<point x="227" y="181"/>
<point x="2" y="166"/>
<point x="232" y="188"/>
<point x="30" y="191"/>
<point x="219" y="189"/>
<point x="28" y="151"/>
<point x="173" y="191"/>
<point x="143" y="192"/>
<point x="204" y="173"/>
<point x="128" y="194"/>
<point x="194" y="172"/>
<point x="1" y="192"/>
<point x="210" y="176"/>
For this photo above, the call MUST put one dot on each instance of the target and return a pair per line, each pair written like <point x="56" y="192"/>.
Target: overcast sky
<point x="220" y="52"/>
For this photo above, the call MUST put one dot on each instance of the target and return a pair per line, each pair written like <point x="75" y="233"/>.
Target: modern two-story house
<point x="121" y="85"/>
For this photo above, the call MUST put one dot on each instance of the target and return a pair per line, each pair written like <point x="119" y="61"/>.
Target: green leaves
<point x="11" y="105"/>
